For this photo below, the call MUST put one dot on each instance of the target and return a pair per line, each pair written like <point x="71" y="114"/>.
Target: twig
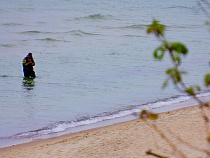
<point x="155" y="127"/>
<point x="149" y="152"/>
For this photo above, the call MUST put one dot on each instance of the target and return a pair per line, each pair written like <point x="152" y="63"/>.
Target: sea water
<point x="94" y="62"/>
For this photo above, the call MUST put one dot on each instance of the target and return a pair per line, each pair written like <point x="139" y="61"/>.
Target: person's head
<point x="29" y="55"/>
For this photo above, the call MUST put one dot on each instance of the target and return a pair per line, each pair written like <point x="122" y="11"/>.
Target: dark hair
<point x="30" y="54"/>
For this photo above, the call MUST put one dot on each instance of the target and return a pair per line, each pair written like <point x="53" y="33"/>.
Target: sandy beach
<point x="184" y="127"/>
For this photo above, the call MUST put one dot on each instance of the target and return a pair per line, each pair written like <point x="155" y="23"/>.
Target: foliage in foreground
<point x="176" y="51"/>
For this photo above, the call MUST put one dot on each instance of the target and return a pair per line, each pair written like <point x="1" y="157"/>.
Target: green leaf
<point x="174" y="74"/>
<point x="149" y="115"/>
<point x="198" y="88"/>
<point x="153" y="116"/>
<point x="177" y="59"/>
<point x="149" y="29"/>
<point x="169" y="71"/>
<point x="179" y="48"/>
<point x="207" y="80"/>
<point x="143" y="114"/>
<point x="178" y="78"/>
<point x="159" y="53"/>
<point x="165" y="84"/>
<point x="156" y="28"/>
<point x="190" y="91"/>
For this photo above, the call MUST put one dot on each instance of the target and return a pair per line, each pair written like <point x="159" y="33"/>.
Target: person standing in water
<point x="28" y="63"/>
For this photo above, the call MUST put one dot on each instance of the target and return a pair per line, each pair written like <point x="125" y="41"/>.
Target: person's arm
<point x="25" y="63"/>
<point x="33" y="62"/>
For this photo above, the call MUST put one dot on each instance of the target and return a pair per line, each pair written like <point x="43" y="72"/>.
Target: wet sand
<point x="185" y="128"/>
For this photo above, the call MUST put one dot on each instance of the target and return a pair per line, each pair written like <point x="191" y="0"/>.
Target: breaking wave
<point x="82" y="121"/>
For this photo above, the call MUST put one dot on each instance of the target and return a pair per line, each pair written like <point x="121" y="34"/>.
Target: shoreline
<point x="118" y="131"/>
<point x="159" y="106"/>
<point x="57" y="138"/>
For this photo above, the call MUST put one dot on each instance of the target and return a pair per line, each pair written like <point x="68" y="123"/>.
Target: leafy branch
<point x="176" y="51"/>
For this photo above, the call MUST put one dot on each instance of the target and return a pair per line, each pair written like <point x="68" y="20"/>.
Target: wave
<point x="11" y="24"/>
<point x="94" y="17"/>
<point x="39" y="32"/>
<point x="138" y="26"/>
<point x="80" y="33"/>
<point x="182" y="7"/>
<point x="7" y="45"/>
<point x="48" y="39"/>
<point x="132" y="36"/>
<point x="4" y="76"/>
<point x="52" y="40"/>
<point x="31" y="32"/>
<point x="74" y="32"/>
<point x="130" y="110"/>
<point x="185" y="26"/>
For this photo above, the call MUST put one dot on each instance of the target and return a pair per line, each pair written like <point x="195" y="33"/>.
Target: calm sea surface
<point x="93" y="61"/>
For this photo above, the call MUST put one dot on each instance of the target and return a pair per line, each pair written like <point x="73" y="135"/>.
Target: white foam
<point x="168" y="102"/>
<point x="63" y="126"/>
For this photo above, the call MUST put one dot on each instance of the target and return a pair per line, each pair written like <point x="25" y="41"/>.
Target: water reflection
<point x="28" y="83"/>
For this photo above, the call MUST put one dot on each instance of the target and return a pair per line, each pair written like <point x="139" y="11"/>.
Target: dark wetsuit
<point x="28" y="63"/>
